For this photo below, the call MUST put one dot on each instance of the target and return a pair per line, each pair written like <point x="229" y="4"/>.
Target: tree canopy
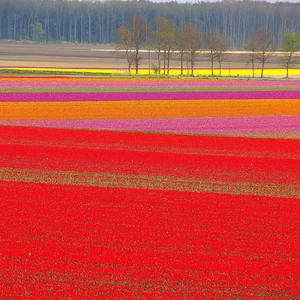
<point x="37" y="32"/>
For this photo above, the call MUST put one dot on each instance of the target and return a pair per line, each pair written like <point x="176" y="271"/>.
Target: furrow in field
<point x="202" y="184"/>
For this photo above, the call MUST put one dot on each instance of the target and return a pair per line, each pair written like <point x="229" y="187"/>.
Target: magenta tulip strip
<point x="133" y="96"/>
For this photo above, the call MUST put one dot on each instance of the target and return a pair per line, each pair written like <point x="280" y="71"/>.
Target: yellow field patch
<point x="174" y="72"/>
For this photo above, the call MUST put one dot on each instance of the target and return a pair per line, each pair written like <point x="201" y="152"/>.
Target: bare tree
<point x="139" y="29"/>
<point x="131" y="39"/>
<point x="252" y="48"/>
<point x="222" y="53"/>
<point x="159" y="39"/>
<point x="164" y="37"/>
<point x="125" y="46"/>
<point x="290" y="45"/>
<point x="217" y="46"/>
<point x="170" y="42"/>
<point x="265" y="46"/>
<point x="181" y="46"/>
<point x="193" y="42"/>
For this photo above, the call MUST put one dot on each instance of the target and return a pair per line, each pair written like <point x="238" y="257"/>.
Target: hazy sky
<point x="195" y="1"/>
<point x="272" y="1"/>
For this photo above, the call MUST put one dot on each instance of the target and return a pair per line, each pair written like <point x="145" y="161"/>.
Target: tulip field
<point x="149" y="188"/>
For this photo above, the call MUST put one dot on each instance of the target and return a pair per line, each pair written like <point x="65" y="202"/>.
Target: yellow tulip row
<point x="197" y="72"/>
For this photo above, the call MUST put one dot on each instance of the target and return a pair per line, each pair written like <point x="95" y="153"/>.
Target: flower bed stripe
<point x="268" y="72"/>
<point x="145" y="109"/>
<point x="122" y="96"/>
<point x="208" y="166"/>
<point x="217" y="125"/>
<point x="71" y="82"/>
<point x="153" y="142"/>
<point x="187" y="169"/>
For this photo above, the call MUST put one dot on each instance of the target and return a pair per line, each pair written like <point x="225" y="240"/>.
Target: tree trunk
<point x="64" y="29"/>
<point x="82" y="40"/>
<point x="137" y="60"/>
<point x="8" y="27"/>
<point x="107" y="29"/>
<point x="70" y="30"/>
<point x="149" y="60"/>
<point x="21" y="27"/>
<point x="262" y="69"/>
<point x="181" y="63"/>
<point x="158" y="61"/>
<point x="90" y="29"/>
<point x="48" y="34"/>
<point x="102" y="30"/>
<point x="164" y="62"/>
<point x="101" y="25"/>
<point x="168" y="62"/>
<point x="75" y="30"/>
<point x="15" y="27"/>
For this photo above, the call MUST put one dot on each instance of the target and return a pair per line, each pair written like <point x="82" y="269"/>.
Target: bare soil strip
<point x="72" y="55"/>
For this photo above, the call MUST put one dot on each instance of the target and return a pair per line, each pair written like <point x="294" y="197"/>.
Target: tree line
<point x="167" y="39"/>
<point x="99" y="22"/>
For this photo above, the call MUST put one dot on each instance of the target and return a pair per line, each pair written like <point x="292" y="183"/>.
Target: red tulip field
<point x="149" y="188"/>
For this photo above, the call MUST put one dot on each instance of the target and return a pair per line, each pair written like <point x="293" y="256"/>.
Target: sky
<point x="195" y="1"/>
<point x="271" y="1"/>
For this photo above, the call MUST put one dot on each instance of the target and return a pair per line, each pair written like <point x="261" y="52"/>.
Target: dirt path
<point x="71" y="55"/>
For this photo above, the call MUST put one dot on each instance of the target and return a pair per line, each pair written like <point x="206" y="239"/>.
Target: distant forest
<point x="98" y="22"/>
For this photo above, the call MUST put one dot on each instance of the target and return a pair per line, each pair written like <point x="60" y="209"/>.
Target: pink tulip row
<point x="285" y="125"/>
<point x="8" y="83"/>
